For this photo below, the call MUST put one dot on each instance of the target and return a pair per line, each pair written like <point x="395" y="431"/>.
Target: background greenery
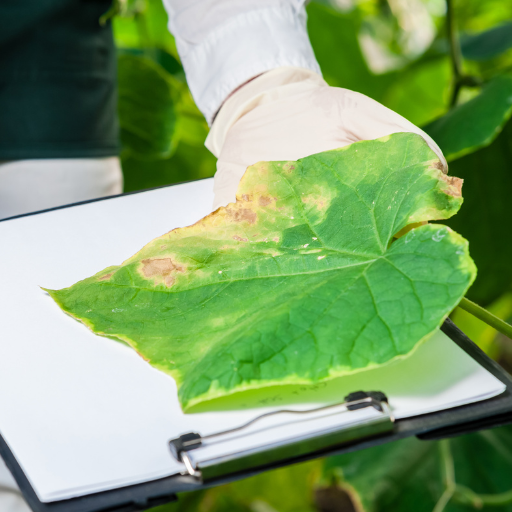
<point x="399" y="53"/>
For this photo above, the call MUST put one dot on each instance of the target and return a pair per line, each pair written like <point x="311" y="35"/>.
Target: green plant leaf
<point x="486" y="215"/>
<point x="488" y="44"/>
<point x="145" y="27"/>
<point x="297" y="281"/>
<point x="187" y="163"/>
<point x="476" y="123"/>
<point x="410" y="474"/>
<point x="421" y="91"/>
<point x="334" y="37"/>
<point x="146" y="105"/>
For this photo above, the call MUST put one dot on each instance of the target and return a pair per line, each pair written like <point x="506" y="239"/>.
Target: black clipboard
<point x="464" y="419"/>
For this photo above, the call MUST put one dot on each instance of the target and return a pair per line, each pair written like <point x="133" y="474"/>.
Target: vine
<point x="460" y="79"/>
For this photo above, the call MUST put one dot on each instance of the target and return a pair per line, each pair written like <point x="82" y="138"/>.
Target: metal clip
<point x="354" y="401"/>
<point x="179" y="448"/>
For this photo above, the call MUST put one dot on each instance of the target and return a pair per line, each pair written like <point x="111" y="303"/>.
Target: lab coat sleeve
<point x="225" y="43"/>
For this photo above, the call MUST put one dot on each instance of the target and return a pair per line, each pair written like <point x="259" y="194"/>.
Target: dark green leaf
<point x="187" y="163"/>
<point x="476" y="123"/>
<point x="409" y="475"/>
<point x="147" y="113"/>
<point x="402" y="476"/>
<point x="486" y="215"/>
<point x="488" y="44"/>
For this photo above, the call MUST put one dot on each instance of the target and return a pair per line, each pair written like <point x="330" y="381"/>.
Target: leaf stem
<point x="443" y="500"/>
<point x="466" y="496"/>
<point x="503" y="498"/>
<point x="455" y="51"/>
<point x="448" y="476"/>
<point x="486" y="317"/>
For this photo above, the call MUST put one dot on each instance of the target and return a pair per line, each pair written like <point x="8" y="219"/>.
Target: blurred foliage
<point x="289" y="489"/>
<point x="414" y="475"/>
<point x="397" y="52"/>
<point x="147" y="98"/>
<point x="159" y="145"/>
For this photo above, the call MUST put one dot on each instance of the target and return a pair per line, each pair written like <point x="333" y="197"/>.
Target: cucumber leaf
<point x="476" y="123"/>
<point x="299" y="281"/>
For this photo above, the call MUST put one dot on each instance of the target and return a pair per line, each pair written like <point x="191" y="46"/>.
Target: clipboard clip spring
<point x="180" y="446"/>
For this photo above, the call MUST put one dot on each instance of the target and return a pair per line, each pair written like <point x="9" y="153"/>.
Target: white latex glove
<point x="31" y="185"/>
<point x="289" y="113"/>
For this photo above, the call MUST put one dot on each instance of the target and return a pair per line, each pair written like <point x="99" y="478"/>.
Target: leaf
<point x="145" y="27"/>
<point x="146" y="105"/>
<point x="188" y="162"/>
<point x="488" y="44"/>
<point x="408" y="474"/>
<point x="334" y="38"/>
<point x="486" y="215"/>
<point x="421" y="92"/>
<point x="296" y="282"/>
<point x="476" y="123"/>
<point x="392" y="476"/>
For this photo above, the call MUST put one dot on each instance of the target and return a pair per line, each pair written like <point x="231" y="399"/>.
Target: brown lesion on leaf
<point x="241" y="214"/>
<point x="247" y="198"/>
<point x="439" y="166"/>
<point x="289" y="168"/>
<point x="240" y="239"/>
<point x="265" y="200"/>
<point x="454" y="185"/>
<point x="106" y="276"/>
<point x="161" y="269"/>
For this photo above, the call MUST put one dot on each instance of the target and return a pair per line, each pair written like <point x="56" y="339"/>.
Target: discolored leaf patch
<point x="298" y="281"/>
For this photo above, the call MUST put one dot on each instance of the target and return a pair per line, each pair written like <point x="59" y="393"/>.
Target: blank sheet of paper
<point x="83" y="413"/>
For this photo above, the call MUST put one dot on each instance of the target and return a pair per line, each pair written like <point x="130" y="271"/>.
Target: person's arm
<point x="224" y="43"/>
<point x="253" y="61"/>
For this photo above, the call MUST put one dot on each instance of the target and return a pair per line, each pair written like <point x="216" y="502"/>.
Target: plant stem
<point x="443" y="500"/>
<point x="486" y="317"/>
<point x="455" y="51"/>
<point x="503" y="498"/>
<point x="466" y="496"/>
<point x="448" y="467"/>
<point x="448" y="475"/>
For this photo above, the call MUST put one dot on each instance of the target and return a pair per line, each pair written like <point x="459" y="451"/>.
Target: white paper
<point x="84" y="413"/>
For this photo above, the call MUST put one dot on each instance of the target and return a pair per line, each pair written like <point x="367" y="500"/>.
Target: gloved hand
<point x="289" y="113"/>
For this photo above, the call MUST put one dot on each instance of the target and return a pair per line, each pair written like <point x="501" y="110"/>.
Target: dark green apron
<point x="57" y="80"/>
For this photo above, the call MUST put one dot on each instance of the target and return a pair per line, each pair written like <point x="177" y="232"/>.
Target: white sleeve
<point x="225" y="43"/>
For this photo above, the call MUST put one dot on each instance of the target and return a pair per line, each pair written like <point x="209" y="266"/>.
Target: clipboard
<point x="382" y="427"/>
